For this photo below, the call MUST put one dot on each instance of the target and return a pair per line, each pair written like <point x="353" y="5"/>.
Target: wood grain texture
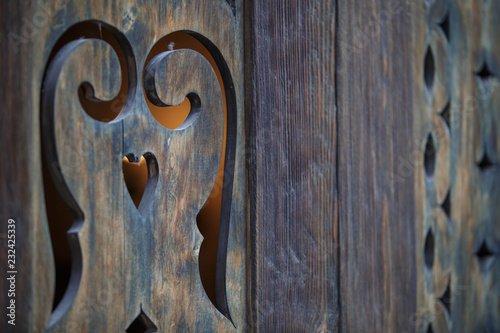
<point x="376" y="215"/>
<point x="369" y="142"/>
<point x="131" y="263"/>
<point x="19" y="183"/>
<point x="290" y="75"/>
<point x="458" y="204"/>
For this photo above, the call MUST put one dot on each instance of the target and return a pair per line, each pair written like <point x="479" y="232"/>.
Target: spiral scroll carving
<point x="122" y="125"/>
<point x="74" y="37"/>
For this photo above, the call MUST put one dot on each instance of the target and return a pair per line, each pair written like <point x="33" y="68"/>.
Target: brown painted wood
<point x="375" y="122"/>
<point x="291" y="148"/>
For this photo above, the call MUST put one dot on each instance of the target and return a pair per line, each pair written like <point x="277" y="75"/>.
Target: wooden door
<point x="230" y="165"/>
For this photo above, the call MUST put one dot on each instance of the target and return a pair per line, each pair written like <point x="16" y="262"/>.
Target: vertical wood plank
<point x="21" y="185"/>
<point x="290" y="75"/>
<point x="376" y="217"/>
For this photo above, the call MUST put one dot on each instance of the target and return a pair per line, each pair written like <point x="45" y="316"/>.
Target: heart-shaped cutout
<point x="141" y="178"/>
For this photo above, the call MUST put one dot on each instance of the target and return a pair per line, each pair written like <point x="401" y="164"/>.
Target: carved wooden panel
<point x="136" y="114"/>
<point x="269" y="166"/>
<point x="456" y="67"/>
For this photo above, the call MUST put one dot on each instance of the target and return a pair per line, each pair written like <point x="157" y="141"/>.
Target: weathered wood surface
<point x="20" y="179"/>
<point x="370" y="141"/>
<point x="374" y="83"/>
<point x="290" y="75"/>
<point x="132" y="261"/>
<point x="457" y="104"/>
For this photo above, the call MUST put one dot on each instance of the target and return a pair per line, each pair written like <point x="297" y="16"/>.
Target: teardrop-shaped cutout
<point x="429" y="69"/>
<point x="429" y="249"/>
<point x="430" y="156"/>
